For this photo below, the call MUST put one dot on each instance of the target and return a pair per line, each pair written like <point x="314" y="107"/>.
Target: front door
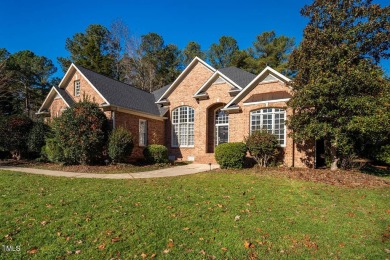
<point x="222" y="134"/>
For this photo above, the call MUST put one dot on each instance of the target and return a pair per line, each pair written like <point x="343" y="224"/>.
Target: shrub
<point x="263" y="146"/>
<point x="230" y="155"/>
<point x="81" y="133"/>
<point x="156" y="153"/>
<point x="36" y="138"/>
<point x="52" y="151"/>
<point x="383" y="154"/>
<point x="120" y="145"/>
<point x="15" y="135"/>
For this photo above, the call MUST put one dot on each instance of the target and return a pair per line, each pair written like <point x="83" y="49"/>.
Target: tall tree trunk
<point x="335" y="159"/>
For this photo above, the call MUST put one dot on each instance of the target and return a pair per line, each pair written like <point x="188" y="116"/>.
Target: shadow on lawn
<point x="380" y="171"/>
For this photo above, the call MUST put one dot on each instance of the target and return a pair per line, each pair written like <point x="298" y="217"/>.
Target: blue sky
<point x="43" y="26"/>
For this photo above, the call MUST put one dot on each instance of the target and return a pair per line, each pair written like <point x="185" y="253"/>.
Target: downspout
<point x="293" y="146"/>
<point x="113" y="119"/>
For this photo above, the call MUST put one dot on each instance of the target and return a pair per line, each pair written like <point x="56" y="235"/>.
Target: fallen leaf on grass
<point x="186" y="228"/>
<point x="77" y="252"/>
<point x="143" y="255"/>
<point x="102" y="246"/>
<point x="166" y="251"/>
<point x="224" y="249"/>
<point x="153" y="256"/>
<point x="248" y="245"/>
<point x="115" y="239"/>
<point x="32" y="250"/>
<point x="44" y="223"/>
<point x="237" y="218"/>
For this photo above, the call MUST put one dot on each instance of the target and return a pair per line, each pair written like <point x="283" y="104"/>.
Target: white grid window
<point x="143" y="132"/>
<point x="221" y="117"/>
<point x="272" y="120"/>
<point x="183" y="127"/>
<point x="77" y="88"/>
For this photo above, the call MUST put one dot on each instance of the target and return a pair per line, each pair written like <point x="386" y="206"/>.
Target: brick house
<point x="202" y="108"/>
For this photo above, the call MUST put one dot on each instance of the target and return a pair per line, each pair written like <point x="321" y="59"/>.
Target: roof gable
<point x="68" y="75"/>
<point x="52" y="94"/>
<point x="236" y="77"/>
<point x="182" y="75"/>
<point x="267" y="75"/>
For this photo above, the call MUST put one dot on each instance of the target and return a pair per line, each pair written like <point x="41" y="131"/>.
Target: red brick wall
<point x="55" y="108"/>
<point x="156" y="131"/>
<point x="239" y="123"/>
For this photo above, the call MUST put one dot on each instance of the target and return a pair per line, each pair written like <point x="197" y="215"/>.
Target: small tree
<point x="340" y="92"/>
<point x="120" y="145"/>
<point x="81" y="132"/>
<point x="263" y="146"/>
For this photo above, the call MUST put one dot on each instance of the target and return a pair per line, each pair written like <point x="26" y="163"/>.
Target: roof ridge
<point x="238" y="69"/>
<point x="112" y="78"/>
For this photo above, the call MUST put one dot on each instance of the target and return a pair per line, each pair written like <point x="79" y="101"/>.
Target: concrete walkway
<point x="168" y="172"/>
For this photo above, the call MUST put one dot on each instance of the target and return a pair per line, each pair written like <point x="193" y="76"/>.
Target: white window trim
<point x="266" y="102"/>
<point x="178" y="145"/>
<point x="273" y="122"/>
<point x="77" y="94"/>
<point x="145" y="139"/>
<point x="219" y="124"/>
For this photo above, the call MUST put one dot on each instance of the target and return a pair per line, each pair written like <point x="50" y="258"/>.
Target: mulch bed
<point x="351" y="178"/>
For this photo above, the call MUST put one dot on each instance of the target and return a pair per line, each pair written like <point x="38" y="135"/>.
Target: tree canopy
<point x="191" y="51"/>
<point x="94" y="49"/>
<point x="221" y="54"/>
<point x="340" y="92"/>
<point x="269" y="50"/>
<point x="25" y="81"/>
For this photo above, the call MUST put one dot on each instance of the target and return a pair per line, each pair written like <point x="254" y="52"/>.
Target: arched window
<point x="221" y="127"/>
<point x="183" y="127"/>
<point x="272" y="120"/>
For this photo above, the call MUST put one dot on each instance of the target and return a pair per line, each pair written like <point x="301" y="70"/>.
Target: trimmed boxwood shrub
<point x="120" y="145"/>
<point x="230" y="155"/>
<point x="156" y="153"/>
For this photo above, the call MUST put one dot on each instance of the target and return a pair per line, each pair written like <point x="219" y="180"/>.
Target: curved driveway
<point x="168" y="172"/>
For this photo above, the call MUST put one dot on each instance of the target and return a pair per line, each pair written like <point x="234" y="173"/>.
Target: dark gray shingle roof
<point x="159" y="92"/>
<point x="239" y="76"/>
<point x="121" y="94"/>
<point x="65" y="96"/>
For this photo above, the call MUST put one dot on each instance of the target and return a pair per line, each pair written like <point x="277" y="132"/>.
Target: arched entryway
<point x="217" y="126"/>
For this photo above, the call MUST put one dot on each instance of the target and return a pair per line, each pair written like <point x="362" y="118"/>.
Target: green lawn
<point x="191" y="217"/>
